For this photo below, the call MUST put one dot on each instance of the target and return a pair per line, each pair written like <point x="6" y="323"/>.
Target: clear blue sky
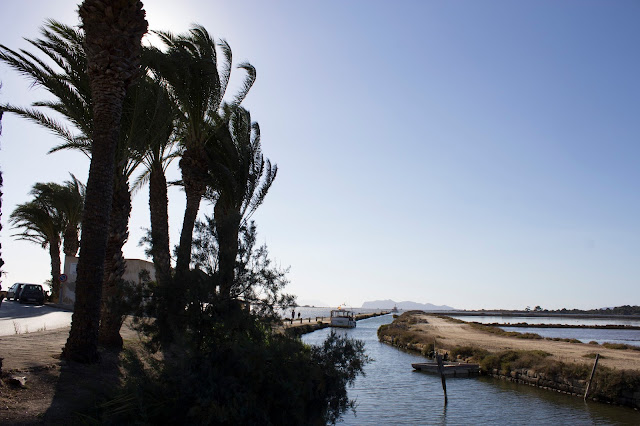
<point x="475" y="154"/>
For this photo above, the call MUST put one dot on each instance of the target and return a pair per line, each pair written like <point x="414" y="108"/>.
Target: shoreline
<point x="531" y="314"/>
<point x="553" y="365"/>
<point x="583" y="326"/>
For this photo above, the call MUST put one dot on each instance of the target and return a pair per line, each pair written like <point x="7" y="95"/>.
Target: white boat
<point x="343" y="318"/>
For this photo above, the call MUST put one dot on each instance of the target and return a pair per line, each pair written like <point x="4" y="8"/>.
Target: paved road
<point x="18" y="319"/>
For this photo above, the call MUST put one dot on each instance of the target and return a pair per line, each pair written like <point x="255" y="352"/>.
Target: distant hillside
<point x="406" y="306"/>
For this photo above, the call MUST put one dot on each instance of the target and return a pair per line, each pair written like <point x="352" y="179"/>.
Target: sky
<point x="473" y="154"/>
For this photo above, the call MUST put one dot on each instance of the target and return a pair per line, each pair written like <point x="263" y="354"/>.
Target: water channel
<point x="392" y="393"/>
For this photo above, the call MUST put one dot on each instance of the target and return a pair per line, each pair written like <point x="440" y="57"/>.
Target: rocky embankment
<point x="552" y="365"/>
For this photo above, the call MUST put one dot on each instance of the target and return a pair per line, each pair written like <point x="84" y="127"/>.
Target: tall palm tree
<point x="43" y="223"/>
<point x="157" y="153"/>
<point x="147" y="122"/>
<point x="65" y="46"/>
<point x="241" y="178"/>
<point x="113" y="33"/>
<point x="198" y="81"/>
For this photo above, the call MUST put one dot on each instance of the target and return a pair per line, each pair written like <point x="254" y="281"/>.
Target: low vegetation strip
<point x="581" y="326"/>
<point x="555" y="365"/>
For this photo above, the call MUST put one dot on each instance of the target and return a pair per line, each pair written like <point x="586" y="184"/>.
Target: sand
<point x="451" y="333"/>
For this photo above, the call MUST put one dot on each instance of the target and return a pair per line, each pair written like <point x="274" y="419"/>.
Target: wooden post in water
<point x="441" y="371"/>
<point x="595" y="364"/>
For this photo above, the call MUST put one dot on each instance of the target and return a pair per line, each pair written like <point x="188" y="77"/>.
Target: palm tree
<point x="71" y="204"/>
<point x="68" y="200"/>
<point x="198" y="82"/>
<point x="147" y="123"/>
<point x="113" y="33"/>
<point x="156" y="154"/>
<point x="241" y="178"/>
<point x="43" y="223"/>
<point x="64" y="45"/>
<point x="147" y="120"/>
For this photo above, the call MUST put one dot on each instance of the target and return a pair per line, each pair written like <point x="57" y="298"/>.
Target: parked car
<point x="32" y="293"/>
<point x="14" y="291"/>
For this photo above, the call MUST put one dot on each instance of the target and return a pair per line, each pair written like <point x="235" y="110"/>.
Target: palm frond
<point x="249" y="79"/>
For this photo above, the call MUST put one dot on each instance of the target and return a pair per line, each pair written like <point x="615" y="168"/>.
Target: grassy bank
<point x="412" y="331"/>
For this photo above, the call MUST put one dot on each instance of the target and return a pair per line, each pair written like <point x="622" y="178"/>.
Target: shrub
<point x="592" y="355"/>
<point x="240" y="372"/>
<point x="472" y="352"/>
<point x="609" y="345"/>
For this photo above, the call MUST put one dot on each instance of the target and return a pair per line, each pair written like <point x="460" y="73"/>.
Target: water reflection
<point x="392" y="393"/>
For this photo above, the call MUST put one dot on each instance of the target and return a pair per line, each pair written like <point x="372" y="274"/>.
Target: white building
<point x="132" y="273"/>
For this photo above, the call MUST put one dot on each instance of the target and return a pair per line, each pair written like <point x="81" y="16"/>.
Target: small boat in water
<point x="455" y="369"/>
<point x="343" y="318"/>
<point x="394" y="310"/>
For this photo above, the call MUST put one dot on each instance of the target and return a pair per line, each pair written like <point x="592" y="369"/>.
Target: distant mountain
<point x="405" y="306"/>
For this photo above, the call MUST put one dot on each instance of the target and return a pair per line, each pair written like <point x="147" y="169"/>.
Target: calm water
<point x="585" y="335"/>
<point x="489" y="319"/>
<point x="391" y="393"/>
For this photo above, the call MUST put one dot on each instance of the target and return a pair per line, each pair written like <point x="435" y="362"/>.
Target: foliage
<point x="618" y="310"/>
<point x="621" y="346"/>
<point x="230" y="364"/>
<point x="497" y="330"/>
<point x="506" y="361"/>
<point x="256" y="280"/>
<point x="592" y="355"/>
<point x="468" y="352"/>
<point x="231" y="367"/>
<point x="399" y="330"/>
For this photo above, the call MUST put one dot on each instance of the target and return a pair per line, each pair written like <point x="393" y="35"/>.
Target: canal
<point x="392" y="393"/>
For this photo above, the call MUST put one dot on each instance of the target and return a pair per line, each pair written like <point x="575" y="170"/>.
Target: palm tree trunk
<point x="168" y="305"/>
<point x="194" y="171"/>
<point x="159" y="217"/>
<point x="227" y="221"/>
<point x="54" y="253"/>
<point x="71" y="243"/>
<point x="113" y="42"/>
<point x="114" y="266"/>
<point x="194" y="174"/>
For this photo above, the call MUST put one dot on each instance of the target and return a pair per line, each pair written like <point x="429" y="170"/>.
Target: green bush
<point x="239" y="372"/>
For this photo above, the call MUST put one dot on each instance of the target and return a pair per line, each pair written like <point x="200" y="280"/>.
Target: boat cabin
<point x="343" y="318"/>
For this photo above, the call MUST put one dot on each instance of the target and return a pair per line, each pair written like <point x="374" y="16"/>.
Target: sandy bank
<point x="449" y="333"/>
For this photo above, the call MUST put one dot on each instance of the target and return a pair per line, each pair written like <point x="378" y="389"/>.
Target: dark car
<point x="14" y="291"/>
<point x="32" y="293"/>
